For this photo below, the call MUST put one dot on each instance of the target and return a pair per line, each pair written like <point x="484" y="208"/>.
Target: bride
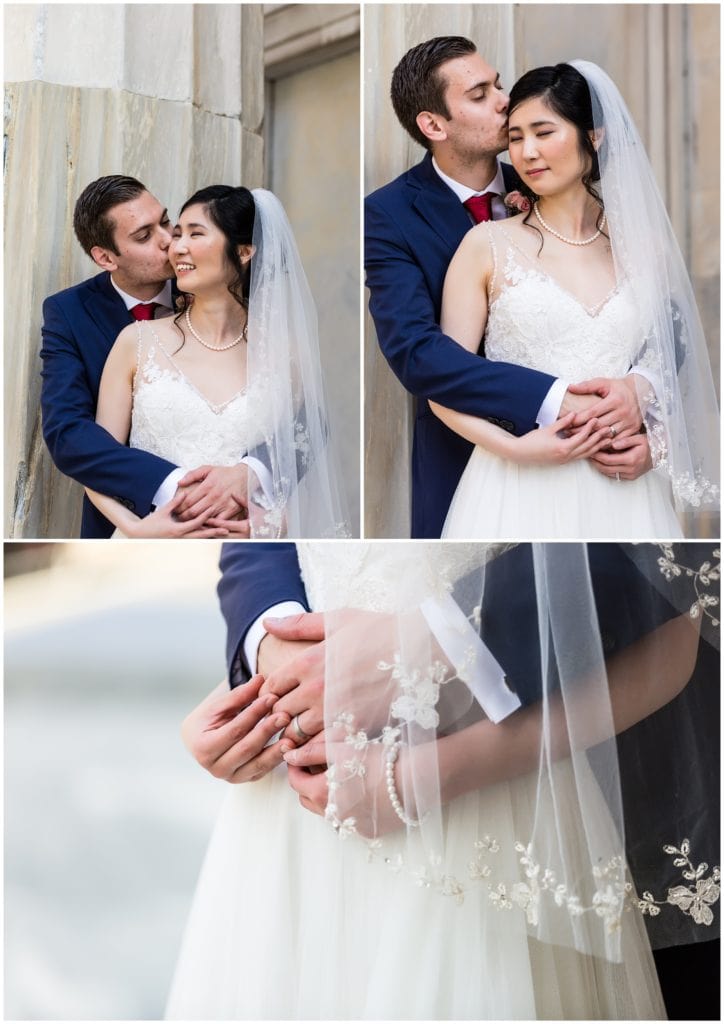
<point x="586" y="282"/>
<point x="234" y="376"/>
<point x="464" y="858"/>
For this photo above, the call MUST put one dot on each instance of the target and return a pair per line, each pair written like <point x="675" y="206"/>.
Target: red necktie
<point x="143" y="311"/>
<point x="481" y="207"/>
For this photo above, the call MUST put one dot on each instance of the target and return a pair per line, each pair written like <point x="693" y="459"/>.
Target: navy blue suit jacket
<point x="255" y="576"/>
<point x="80" y="326"/>
<point x="413" y="226"/>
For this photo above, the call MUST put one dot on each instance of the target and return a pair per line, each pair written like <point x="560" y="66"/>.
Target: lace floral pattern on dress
<point x="535" y="322"/>
<point x="173" y="419"/>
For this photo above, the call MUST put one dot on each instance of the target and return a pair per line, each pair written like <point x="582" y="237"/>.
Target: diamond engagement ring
<point x="300" y="733"/>
<point x="613" y="431"/>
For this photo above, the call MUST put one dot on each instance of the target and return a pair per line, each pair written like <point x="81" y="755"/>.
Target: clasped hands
<point x="231" y="733"/>
<point x="210" y="501"/>
<point x="606" y="413"/>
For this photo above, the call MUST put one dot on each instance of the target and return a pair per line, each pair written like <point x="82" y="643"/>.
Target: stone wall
<point x="312" y="163"/>
<point x="665" y="60"/>
<point x="177" y="100"/>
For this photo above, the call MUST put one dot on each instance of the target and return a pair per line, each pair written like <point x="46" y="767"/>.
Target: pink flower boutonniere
<point x="517" y="201"/>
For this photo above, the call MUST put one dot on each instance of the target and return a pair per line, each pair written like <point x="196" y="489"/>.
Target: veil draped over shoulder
<point x="537" y="731"/>
<point x="286" y="393"/>
<point x="682" y="418"/>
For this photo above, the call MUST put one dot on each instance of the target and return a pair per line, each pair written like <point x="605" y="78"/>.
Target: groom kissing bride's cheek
<point x="156" y="392"/>
<point x="537" y="312"/>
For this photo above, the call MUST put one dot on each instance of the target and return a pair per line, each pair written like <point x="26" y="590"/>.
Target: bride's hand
<point x="549" y="446"/>
<point x="229" y="733"/>
<point x="362" y="796"/>
<point x="163" y="523"/>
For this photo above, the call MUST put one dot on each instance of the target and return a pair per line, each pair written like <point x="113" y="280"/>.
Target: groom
<point x="126" y="232"/>
<point x="451" y="101"/>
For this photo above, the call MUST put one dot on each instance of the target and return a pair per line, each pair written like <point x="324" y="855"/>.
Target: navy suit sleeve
<point x="254" y="577"/>
<point x="79" y="447"/>
<point x="627" y="605"/>
<point x="428" y="363"/>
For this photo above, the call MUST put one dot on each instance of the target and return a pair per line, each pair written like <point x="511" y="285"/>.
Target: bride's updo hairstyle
<point x="566" y="92"/>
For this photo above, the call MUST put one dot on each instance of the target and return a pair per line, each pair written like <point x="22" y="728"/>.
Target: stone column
<point x="169" y="93"/>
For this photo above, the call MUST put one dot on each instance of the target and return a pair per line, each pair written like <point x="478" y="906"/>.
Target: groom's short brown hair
<point x="418" y="85"/>
<point x="91" y="221"/>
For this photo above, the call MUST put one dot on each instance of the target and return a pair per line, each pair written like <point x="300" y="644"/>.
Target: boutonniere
<point x="517" y="201"/>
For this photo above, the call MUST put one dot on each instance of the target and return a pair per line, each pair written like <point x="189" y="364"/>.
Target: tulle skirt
<point x="292" y="921"/>
<point x="500" y="500"/>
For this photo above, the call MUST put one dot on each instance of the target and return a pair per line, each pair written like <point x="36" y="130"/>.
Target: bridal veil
<point x="589" y="674"/>
<point x="285" y="388"/>
<point x="682" y="417"/>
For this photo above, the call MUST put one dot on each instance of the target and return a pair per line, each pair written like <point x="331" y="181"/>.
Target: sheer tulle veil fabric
<point x="285" y="378"/>
<point x="683" y="424"/>
<point x="545" y="649"/>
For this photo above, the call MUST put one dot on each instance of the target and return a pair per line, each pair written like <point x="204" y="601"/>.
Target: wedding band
<point x="301" y="734"/>
<point x="618" y="477"/>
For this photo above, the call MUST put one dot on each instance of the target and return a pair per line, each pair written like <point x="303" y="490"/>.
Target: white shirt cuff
<point x="256" y="632"/>
<point x="168" y="488"/>
<point x="472" y="660"/>
<point x="265" y="481"/>
<point x="551" y="407"/>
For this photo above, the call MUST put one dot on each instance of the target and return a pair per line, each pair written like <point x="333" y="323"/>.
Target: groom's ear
<point x="432" y="126"/>
<point x="105" y="259"/>
<point x="245" y="253"/>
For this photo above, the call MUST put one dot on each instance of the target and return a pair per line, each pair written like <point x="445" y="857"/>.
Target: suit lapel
<point x="437" y="204"/>
<point x="107" y="309"/>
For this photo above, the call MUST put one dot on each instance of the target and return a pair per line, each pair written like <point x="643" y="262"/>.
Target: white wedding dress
<point x="172" y="418"/>
<point x="293" y="921"/>
<point x="534" y="321"/>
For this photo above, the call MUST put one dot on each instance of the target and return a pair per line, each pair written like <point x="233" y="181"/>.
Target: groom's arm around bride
<point x="126" y="231"/>
<point x="413" y="226"/>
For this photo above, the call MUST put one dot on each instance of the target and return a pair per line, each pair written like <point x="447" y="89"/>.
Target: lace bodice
<point x="384" y="577"/>
<point x="534" y="321"/>
<point x="173" y="419"/>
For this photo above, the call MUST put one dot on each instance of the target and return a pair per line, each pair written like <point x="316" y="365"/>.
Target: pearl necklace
<point x="214" y="348"/>
<point x="568" y="241"/>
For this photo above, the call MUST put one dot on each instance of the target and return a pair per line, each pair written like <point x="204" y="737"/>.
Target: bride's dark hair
<point x="232" y="210"/>
<point x="566" y="92"/>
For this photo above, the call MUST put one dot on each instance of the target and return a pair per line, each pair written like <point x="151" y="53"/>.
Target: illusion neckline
<point x="592" y="312"/>
<point x="216" y="408"/>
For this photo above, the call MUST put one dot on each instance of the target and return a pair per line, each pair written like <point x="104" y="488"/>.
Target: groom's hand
<point x="360" y="641"/>
<point x="228" y="732"/>
<point x="618" y="407"/>
<point x="219" y="492"/>
<point x="626" y="458"/>
<point x="292" y="657"/>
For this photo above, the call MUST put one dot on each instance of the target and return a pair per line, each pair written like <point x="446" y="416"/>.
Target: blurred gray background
<point x="107" y="648"/>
